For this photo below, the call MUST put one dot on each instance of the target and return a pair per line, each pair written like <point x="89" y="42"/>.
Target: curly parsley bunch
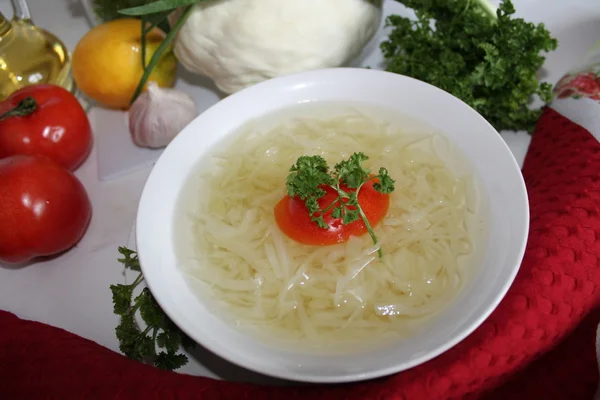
<point x="483" y="56"/>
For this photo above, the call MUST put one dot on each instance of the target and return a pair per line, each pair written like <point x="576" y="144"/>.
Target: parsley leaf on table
<point x="488" y="59"/>
<point x="159" y="342"/>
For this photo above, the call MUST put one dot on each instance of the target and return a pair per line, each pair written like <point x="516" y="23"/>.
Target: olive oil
<point x="30" y="55"/>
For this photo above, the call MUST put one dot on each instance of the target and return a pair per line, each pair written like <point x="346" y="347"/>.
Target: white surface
<point x="117" y="154"/>
<point x="72" y="292"/>
<point x="493" y="164"/>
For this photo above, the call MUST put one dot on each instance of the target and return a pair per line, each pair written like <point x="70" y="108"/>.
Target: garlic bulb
<point x="158" y="115"/>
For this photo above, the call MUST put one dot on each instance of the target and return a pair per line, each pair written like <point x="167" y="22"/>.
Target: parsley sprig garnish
<point x="159" y="342"/>
<point x="310" y="173"/>
<point x="485" y="57"/>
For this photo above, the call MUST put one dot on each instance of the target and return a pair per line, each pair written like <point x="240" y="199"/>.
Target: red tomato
<point x="293" y="218"/>
<point x="44" y="209"/>
<point x="54" y="125"/>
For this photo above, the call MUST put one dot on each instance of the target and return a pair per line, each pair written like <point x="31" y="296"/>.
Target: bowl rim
<point x="154" y="283"/>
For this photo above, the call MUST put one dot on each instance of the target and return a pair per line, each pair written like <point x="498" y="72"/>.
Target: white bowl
<point x="492" y="161"/>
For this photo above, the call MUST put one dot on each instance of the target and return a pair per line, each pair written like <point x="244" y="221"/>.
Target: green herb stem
<point x="310" y="174"/>
<point x="160" y="331"/>
<point x="344" y="195"/>
<point x="149" y="22"/>
<point x="159" y="51"/>
<point x="370" y="230"/>
<point x="157" y="6"/>
<point x="332" y="205"/>
<point x="144" y="32"/>
<point x="154" y="335"/>
<point x="108" y="10"/>
<point x="488" y="8"/>
<point x="137" y="281"/>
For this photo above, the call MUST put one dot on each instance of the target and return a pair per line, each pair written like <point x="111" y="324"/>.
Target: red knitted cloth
<point x="551" y="309"/>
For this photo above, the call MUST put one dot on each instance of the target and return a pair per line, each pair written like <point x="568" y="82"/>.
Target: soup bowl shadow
<point x="232" y="372"/>
<point x="493" y="165"/>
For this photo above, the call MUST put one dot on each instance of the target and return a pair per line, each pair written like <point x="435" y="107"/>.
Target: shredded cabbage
<point x="321" y="296"/>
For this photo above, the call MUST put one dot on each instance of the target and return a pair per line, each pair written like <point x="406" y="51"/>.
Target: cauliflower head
<point x="238" y="43"/>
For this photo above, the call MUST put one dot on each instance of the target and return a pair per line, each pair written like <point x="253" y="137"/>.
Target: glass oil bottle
<point x="30" y="55"/>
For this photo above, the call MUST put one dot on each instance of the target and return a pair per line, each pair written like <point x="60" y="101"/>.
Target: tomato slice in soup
<point x="293" y="218"/>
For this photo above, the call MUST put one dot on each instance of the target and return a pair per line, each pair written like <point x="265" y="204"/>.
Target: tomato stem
<point x="24" y="108"/>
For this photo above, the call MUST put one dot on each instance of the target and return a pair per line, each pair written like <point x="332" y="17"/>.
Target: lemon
<point x="107" y="61"/>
